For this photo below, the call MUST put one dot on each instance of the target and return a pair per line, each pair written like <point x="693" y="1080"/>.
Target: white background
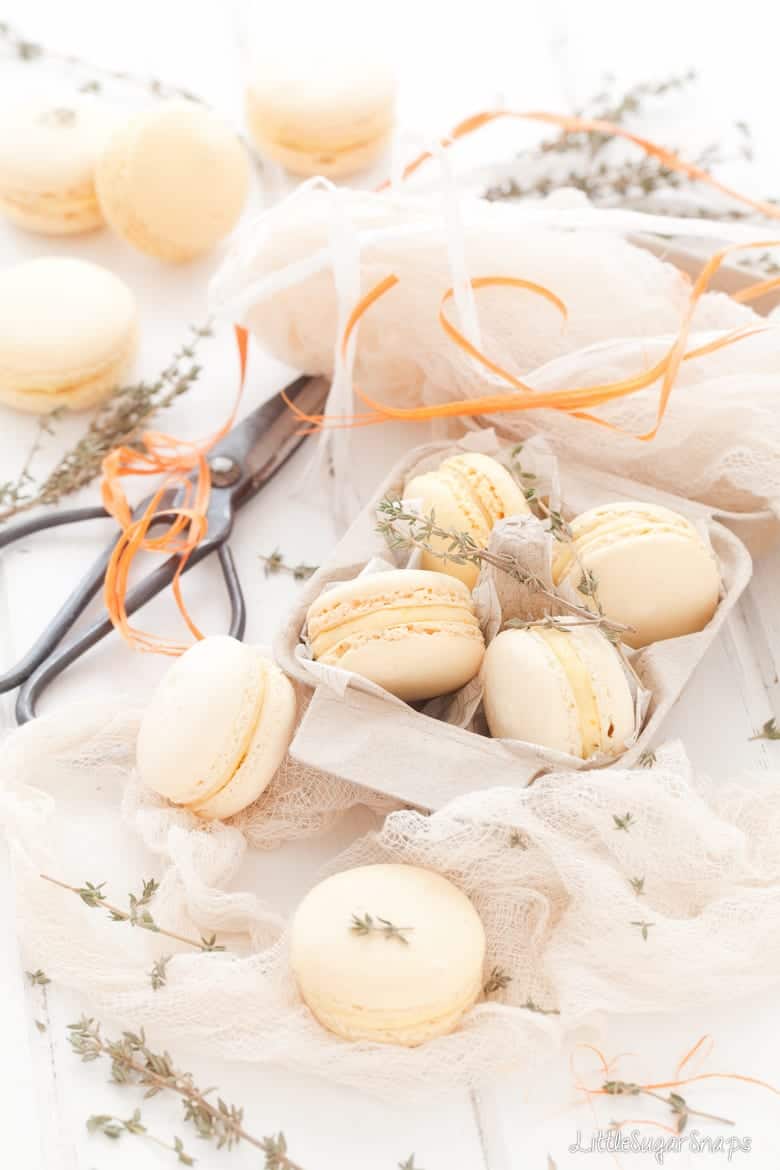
<point x="452" y="59"/>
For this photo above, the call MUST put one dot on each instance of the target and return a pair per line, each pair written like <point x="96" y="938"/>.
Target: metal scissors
<point x="239" y="466"/>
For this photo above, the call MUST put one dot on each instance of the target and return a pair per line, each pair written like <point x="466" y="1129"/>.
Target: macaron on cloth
<point x="216" y="728"/>
<point x="68" y="334"/>
<point x="388" y="953"/>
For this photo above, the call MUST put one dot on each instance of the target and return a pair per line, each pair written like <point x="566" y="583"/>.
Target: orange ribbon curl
<point x="184" y="467"/>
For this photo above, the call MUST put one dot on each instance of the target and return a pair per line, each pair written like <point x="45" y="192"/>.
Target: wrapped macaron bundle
<point x="507" y="611"/>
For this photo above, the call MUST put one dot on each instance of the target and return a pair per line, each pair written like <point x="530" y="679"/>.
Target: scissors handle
<point x="31" y="690"/>
<point x="76" y="603"/>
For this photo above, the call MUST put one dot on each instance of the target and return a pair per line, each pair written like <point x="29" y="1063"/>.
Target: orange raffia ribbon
<point x="702" y="1048"/>
<point x="571" y="124"/>
<point x="183" y="465"/>
<point x="575" y="401"/>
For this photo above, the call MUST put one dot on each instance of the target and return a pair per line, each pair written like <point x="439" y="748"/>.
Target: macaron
<point x="68" y="334"/>
<point x="469" y="493"/>
<point x="392" y="954"/>
<point x="560" y="686"/>
<point x="330" y="117"/>
<point x="216" y="728"/>
<point x="48" y="154"/>
<point x="653" y="571"/>
<point x="173" y="181"/>
<point x="412" y="631"/>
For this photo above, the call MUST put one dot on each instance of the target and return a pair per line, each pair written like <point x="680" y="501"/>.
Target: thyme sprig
<point x="609" y="181"/>
<point x="644" y="927"/>
<point x="136" y="914"/>
<point x="133" y="1062"/>
<point x="373" y="924"/>
<point x="17" y="45"/>
<point x="679" y="1106"/>
<point x="769" y="730"/>
<point x="497" y="980"/>
<point x="118" y="421"/>
<point x="38" y="978"/>
<point x="114" y="1127"/>
<point x="531" y="1005"/>
<point x="402" y="529"/>
<point x="275" y="562"/>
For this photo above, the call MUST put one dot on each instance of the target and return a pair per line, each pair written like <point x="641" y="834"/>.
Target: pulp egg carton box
<point x="428" y="754"/>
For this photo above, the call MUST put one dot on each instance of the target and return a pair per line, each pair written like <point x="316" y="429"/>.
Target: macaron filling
<point x="580" y="683"/>
<point x="610" y="529"/>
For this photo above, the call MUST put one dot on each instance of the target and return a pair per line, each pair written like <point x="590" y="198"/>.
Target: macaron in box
<point x="428" y="752"/>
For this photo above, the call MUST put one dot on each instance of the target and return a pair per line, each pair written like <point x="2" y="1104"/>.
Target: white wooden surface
<point x="452" y="61"/>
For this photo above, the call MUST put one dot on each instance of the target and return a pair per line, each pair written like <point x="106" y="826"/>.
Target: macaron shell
<point x="417" y="661"/>
<point x="68" y="333"/>
<point x="267" y="749"/>
<point x="663" y="585"/>
<point x="380" y="592"/>
<point x="453" y="507"/>
<point x="469" y="492"/>
<point x="526" y="695"/>
<point x="374" y="988"/>
<point x="492" y="485"/>
<point x="173" y="181"/>
<point x="199" y="722"/>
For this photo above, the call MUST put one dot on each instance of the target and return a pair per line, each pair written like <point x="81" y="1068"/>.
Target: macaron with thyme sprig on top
<point x="388" y="953"/>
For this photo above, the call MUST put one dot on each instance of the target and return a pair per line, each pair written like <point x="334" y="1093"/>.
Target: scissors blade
<point x="267" y="437"/>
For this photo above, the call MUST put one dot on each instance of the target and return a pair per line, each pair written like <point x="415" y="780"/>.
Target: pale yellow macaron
<point x="48" y="154"/>
<point x="216" y="728"/>
<point x="330" y="116"/>
<point x="411" y="631"/>
<point x="68" y="334"/>
<point x="560" y="686"/>
<point x="173" y="181"/>
<point x="652" y="569"/>
<point x="388" y="953"/>
<point x="469" y="493"/>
